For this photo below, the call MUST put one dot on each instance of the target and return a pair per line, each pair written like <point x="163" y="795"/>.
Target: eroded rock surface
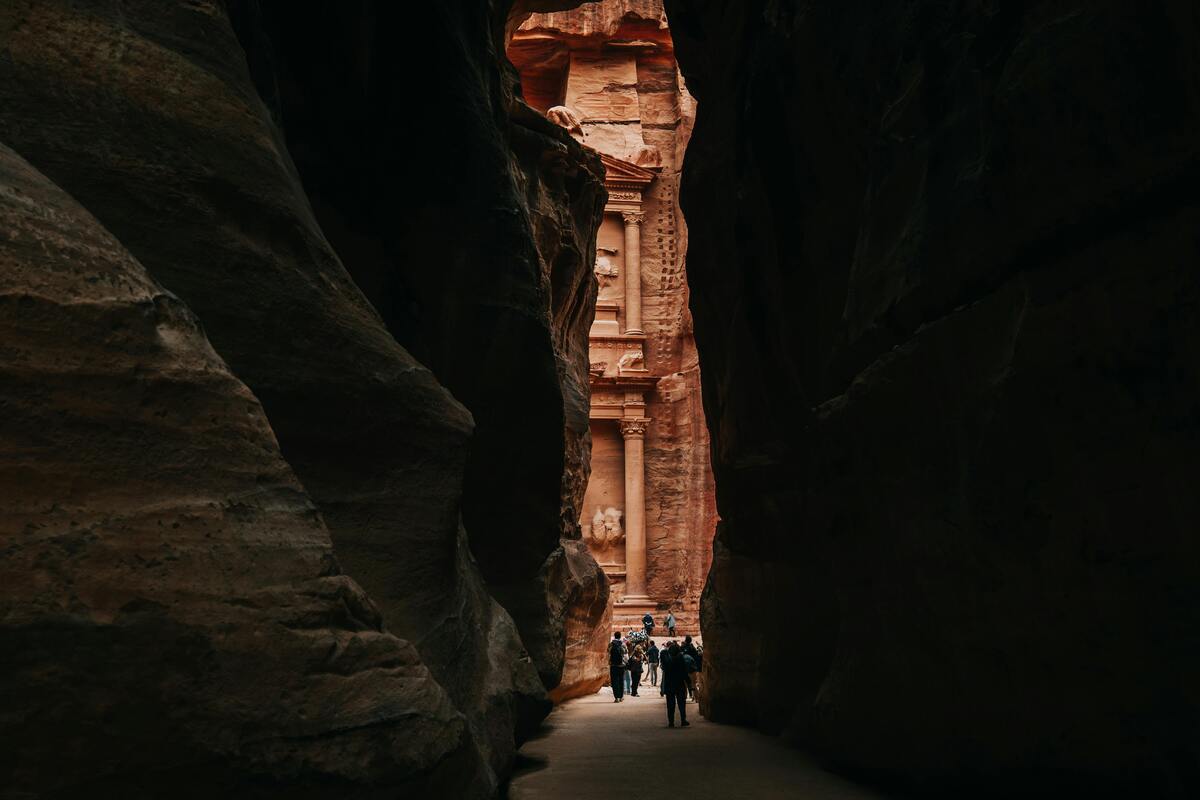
<point x="148" y="115"/>
<point x="174" y="622"/>
<point x="943" y="277"/>
<point x="469" y="221"/>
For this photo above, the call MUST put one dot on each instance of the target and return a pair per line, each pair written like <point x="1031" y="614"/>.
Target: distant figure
<point x="692" y="658"/>
<point x="652" y="663"/>
<point x="674" y="684"/>
<point x="670" y="622"/>
<point x="635" y="670"/>
<point x="616" y="667"/>
<point x="628" y="682"/>
<point x="648" y="624"/>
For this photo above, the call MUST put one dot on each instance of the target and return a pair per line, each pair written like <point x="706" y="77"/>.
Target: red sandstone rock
<point x="173" y="619"/>
<point x="611" y="66"/>
<point x="153" y="123"/>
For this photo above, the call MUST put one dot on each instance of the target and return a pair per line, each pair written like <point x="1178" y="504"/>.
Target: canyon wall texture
<point x="169" y="123"/>
<point x="469" y="223"/>
<point x="943" y="265"/>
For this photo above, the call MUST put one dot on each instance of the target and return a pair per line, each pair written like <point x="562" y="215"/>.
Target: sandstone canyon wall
<point x="943" y="265"/>
<point x="175" y="508"/>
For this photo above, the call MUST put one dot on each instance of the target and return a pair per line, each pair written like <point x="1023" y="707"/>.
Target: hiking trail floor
<point x="592" y="747"/>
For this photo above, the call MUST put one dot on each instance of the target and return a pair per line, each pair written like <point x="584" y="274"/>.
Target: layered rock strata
<point x="942" y="265"/>
<point x="473" y="235"/>
<point x="174" y="620"/>
<point x="147" y="114"/>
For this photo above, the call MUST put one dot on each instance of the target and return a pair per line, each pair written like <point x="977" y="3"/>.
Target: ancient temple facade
<point x="607" y="73"/>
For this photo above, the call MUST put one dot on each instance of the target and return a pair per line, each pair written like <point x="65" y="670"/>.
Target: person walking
<point x="635" y="671"/>
<point x="616" y="667"/>
<point x="692" y="659"/>
<point x="674" y="684"/>
<point x="628" y="650"/>
<point x="652" y="662"/>
<point x="648" y="624"/>
<point x="670" y="621"/>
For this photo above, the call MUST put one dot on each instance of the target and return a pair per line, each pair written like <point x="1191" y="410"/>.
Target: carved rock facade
<point x="607" y="73"/>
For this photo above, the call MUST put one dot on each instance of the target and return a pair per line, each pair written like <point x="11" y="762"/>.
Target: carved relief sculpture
<point x="634" y="359"/>
<point x="566" y="117"/>
<point x="605" y="531"/>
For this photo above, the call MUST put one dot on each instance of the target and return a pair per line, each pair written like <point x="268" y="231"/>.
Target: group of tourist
<point x="631" y="655"/>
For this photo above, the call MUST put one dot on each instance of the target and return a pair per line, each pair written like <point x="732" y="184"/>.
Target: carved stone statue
<point x="598" y="533"/>
<point x="605" y="268"/>
<point x="566" y="117"/>
<point x="612" y="526"/>
<point x="606" y="528"/>
<point x="634" y="359"/>
<point x="646" y="156"/>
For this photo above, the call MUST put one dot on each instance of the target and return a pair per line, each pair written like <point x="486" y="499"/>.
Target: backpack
<point x="616" y="654"/>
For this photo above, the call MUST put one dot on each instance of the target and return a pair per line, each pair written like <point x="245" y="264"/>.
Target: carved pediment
<point x="624" y="173"/>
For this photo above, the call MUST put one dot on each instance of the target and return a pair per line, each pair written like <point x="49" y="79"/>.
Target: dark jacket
<point x="674" y="671"/>
<point x="635" y="663"/>
<point x="652" y="655"/>
<point x="616" y="653"/>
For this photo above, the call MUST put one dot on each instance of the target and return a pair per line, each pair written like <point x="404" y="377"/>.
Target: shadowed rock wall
<point x="148" y="115"/>
<point x="943" y="273"/>
<point x="174" y="621"/>
<point x="469" y="221"/>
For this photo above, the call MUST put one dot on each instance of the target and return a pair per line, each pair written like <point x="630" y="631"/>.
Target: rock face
<point x="943" y="278"/>
<point x="479" y="259"/>
<point x="152" y="116"/>
<point x="606" y="72"/>
<point x="174" y="621"/>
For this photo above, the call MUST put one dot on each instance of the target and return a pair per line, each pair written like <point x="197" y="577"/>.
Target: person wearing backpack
<point x="670" y="622"/>
<point x="616" y="667"/>
<point x="674" y="684"/>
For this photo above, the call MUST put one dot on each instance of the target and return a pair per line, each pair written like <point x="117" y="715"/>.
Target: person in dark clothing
<point x="674" y="682"/>
<point x="648" y="624"/>
<point x="616" y="667"/>
<point x="635" y="671"/>
<point x="693" y="665"/>
<point x="652" y="663"/>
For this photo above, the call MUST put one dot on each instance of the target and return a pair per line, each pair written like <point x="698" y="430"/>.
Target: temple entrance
<point x="607" y="73"/>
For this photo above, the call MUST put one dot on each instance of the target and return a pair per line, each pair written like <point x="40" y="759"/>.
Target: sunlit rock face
<point x="606" y="73"/>
<point x="174" y="123"/>
<point x="174" y="621"/>
<point x="943" y="272"/>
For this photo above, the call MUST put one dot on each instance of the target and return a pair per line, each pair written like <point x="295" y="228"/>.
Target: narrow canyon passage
<point x="365" y="366"/>
<point x="594" y="748"/>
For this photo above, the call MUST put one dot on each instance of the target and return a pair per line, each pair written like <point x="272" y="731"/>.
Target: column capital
<point x="633" y="428"/>
<point x="633" y="217"/>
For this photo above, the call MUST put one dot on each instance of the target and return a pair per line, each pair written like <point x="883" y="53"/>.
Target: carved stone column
<point x="633" y="271"/>
<point x="634" y="433"/>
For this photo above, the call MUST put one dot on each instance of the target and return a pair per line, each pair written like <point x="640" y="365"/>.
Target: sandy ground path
<point x="592" y="747"/>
